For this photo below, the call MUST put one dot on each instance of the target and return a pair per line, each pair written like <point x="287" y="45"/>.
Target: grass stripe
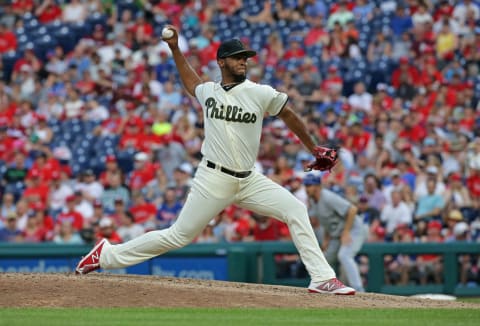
<point x="250" y="317"/>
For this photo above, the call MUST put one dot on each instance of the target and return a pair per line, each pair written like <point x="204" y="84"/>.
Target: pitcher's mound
<point x="108" y="290"/>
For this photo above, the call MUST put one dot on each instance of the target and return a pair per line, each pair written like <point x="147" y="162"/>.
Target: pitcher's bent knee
<point x="296" y="210"/>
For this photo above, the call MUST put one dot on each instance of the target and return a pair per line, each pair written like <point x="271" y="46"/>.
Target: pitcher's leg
<point x="200" y="207"/>
<point x="265" y="197"/>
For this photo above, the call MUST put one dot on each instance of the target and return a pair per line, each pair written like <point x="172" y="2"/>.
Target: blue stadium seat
<point x="8" y="61"/>
<point x="65" y="39"/>
<point x="43" y="45"/>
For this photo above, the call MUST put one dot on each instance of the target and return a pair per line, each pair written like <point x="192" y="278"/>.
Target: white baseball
<point x="167" y="33"/>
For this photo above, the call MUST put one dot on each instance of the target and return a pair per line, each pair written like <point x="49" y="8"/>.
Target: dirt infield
<point x="107" y="290"/>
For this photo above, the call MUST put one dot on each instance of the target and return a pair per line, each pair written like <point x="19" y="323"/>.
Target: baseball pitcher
<point x="233" y="111"/>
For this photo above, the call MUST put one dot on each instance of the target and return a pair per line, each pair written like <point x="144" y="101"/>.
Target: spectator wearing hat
<point x="69" y="213"/>
<point x="89" y="186"/>
<point x="143" y="212"/>
<point x="395" y="212"/>
<point x="28" y="61"/>
<point x="59" y="191"/>
<point x="343" y="230"/>
<point x="106" y="230"/>
<point x="182" y="178"/>
<point x="457" y="195"/>
<point x="98" y="212"/>
<point x="44" y="219"/>
<point x="406" y="71"/>
<point x="295" y="186"/>
<point x="452" y="218"/>
<point x="112" y="125"/>
<point x="83" y="206"/>
<point x="132" y="137"/>
<point x="143" y="172"/>
<point x="268" y="229"/>
<point x="9" y="231"/>
<point x="128" y="229"/>
<point x="36" y="190"/>
<point x="111" y="168"/>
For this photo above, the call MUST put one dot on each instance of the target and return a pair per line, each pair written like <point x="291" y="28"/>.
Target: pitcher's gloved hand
<point x="325" y="159"/>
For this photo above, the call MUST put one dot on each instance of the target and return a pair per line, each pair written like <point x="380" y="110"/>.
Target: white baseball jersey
<point x="233" y="121"/>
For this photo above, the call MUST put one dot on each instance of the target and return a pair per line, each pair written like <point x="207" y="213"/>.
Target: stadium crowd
<point x="98" y="139"/>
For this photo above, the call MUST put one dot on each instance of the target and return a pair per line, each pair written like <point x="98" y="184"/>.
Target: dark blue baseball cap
<point x="311" y="180"/>
<point x="233" y="47"/>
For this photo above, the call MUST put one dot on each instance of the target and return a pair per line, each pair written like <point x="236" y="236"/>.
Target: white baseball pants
<point x="210" y="193"/>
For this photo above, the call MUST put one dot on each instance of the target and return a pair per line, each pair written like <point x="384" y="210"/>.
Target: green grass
<point x="232" y="317"/>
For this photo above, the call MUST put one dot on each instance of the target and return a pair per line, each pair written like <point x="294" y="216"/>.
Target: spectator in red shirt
<point x="28" y="61"/>
<point x="317" y="34"/>
<point x="71" y="215"/>
<point x="36" y="190"/>
<point x="6" y="143"/>
<point x="44" y="166"/>
<point x="143" y="172"/>
<point x="110" y="126"/>
<point x="107" y="231"/>
<point x="34" y="230"/>
<point x="473" y="181"/>
<point x="48" y="12"/>
<point x="357" y="139"/>
<point x="143" y="212"/>
<point x="404" y="68"/>
<point x="132" y="137"/>
<point x="268" y="229"/>
<point x="412" y="131"/>
<point x="8" y="40"/>
<point x="333" y="79"/>
<point x="20" y="7"/>
<point x="295" y="51"/>
<point x="45" y="220"/>
<point x="142" y="29"/>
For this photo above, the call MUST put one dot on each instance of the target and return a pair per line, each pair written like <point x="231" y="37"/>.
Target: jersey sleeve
<point x="277" y="101"/>
<point x="199" y="92"/>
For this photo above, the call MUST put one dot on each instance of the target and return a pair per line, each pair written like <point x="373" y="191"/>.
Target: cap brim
<point x="248" y="53"/>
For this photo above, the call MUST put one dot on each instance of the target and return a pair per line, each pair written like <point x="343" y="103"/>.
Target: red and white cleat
<point x="91" y="262"/>
<point x="331" y="286"/>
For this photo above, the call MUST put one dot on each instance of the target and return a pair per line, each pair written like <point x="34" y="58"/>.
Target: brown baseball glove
<point x="325" y="159"/>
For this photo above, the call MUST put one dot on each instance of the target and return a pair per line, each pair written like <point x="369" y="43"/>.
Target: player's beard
<point x="236" y="77"/>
